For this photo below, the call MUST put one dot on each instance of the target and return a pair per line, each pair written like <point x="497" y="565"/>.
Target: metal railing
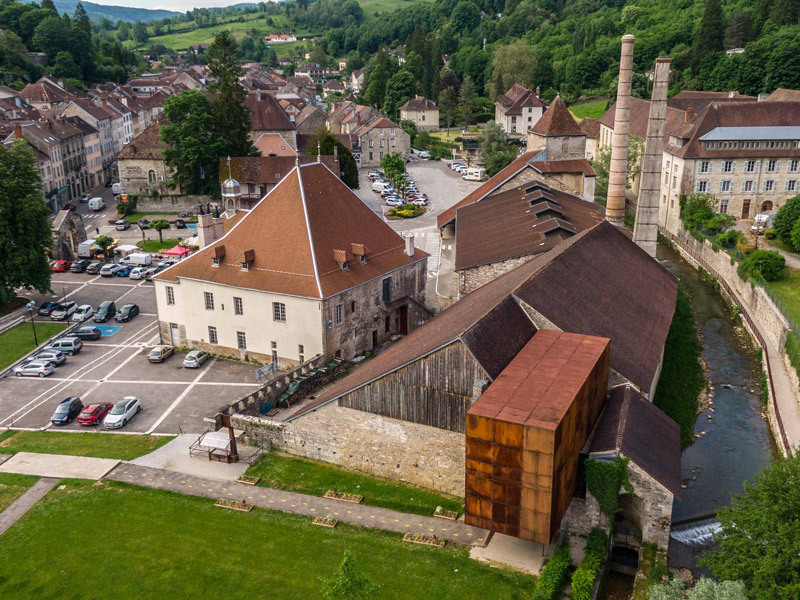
<point x="745" y="313"/>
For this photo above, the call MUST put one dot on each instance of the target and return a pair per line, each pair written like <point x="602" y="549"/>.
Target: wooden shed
<point x="524" y="435"/>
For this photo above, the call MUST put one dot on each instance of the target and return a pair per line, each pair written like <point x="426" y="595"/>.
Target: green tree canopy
<point x="160" y="225"/>
<point x="400" y="88"/>
<point x="788" y="215"/>
<point x="25" y="234"/>
<point x="513" y="63"/>
<point x="64" y="66"/>
<point x="347" y="163"/>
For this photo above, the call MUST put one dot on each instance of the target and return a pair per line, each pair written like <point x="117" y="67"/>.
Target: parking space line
<point x="182" y="396"/>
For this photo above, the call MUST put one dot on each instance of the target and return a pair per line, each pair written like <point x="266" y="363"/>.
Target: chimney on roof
<point x="645" y="230"/>
<point x="410" y="246"/>
<point x="18" y="131"/>
<point x="688" y="114"/>
<point x="618" y="172"/>
<point x="537" y="91"/>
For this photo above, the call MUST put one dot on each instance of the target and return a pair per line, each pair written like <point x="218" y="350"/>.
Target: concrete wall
<point x="170" y="203"/>
<point x="355" y="440"/>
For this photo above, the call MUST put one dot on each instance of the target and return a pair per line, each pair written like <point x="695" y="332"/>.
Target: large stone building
<point x="379" y="137"/>
<point x="141" y="165"/>
<point x="267" y="116"/>
<point x="422" y="112"/>
<point x="310" y="270"/>
<point x="100" y="119"/>
<point x="518" y="109"/>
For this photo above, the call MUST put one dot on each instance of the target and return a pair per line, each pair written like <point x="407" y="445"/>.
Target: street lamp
<point x="30" y="306"/>
<point x="64" y="293"/>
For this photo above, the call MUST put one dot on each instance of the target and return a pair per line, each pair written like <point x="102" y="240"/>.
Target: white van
<point x="763" y="221"/>
<point x="85" y="249"/>
<point x="116" y="188"/>
<point x="475" y="174"/>
<point x="380" y="186"/>
<point x="96" y="204"/>
<point x="137" y="259"/>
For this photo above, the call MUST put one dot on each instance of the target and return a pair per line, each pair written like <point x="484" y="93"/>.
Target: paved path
<point x="312" y="506"/>
<point x="58" y="465"/>
<point x="21" y="505"/>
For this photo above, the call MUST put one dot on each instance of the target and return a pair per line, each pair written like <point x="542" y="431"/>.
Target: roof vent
<point x="343" y="258"/>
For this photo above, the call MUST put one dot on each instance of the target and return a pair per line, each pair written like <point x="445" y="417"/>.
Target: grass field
<point x="134" y="217"/>
<point x="12" y="486"/>
<point x="312" y="477"/>
<point x="18" y="341"/>
<point x="98" y="445"/>
<point x="589" y="110"/>
<point x="156" y="245"/>
<point x="111" y="540"/>
<point x="788" y="291"/>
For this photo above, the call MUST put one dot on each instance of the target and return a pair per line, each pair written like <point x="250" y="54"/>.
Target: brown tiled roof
<point x="591" y="127"/>
<point x="784" y="95"/>
<point x="517" y="98"/>
<point x="266" y="114"/>
<point x="419" y="103"/>
<point x="266" y="169"/>
<point x="570" y="165"/>
<point x="383" y="122"/>
<point x="639" y="116"/>
<point x="145" y="146"/>
<point x="506" y="225"/>
<point x="557" y="121"/>
<point x="293" y="231"/>
<point x="274" y="144"/>
<point x="698" y="100"/>
<point x="607" y="286"/>
<point x="632" y="425"/>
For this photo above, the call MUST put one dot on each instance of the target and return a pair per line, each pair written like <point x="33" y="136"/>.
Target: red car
<point x="93" y="413"/>
<point x="61" y="265"/>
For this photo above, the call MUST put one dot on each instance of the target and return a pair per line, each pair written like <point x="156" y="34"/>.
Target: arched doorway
<point x="766" y="206"/>
<point x="627" y="535"/>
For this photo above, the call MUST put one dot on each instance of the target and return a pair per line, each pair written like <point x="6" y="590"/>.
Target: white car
<point x="109" y="270"/>
<point x="461" y="170"/>
<point x="83" y="313"/>
<point x="394" y="201"/>
<point x="122" y="412"/>
<point x="424" y="154"/>
<point x="54" y="356"/>
<point x="63" y="311"/>
<point x="456" y="164"/>
<point x="138" y="273"/>
<point x="195" y="358"/>
<point x="36" y="368"/>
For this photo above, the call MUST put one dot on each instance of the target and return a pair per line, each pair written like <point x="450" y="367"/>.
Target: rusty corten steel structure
<point x="525" y="433"/>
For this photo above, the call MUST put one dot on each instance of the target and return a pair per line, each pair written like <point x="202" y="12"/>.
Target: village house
<point x="48" y="94"/>
<point x="422" y="112"/>
<point x="100" y="119"/>
<point x="332" y="86"/>
<point x="267" y="116"/>
<point x="518" y="109"/>
<point x="274" y="144"/>
<point x="279" y="38"/>
<point x="45" y="153"/>
<point x="92" y="152"/>
<point x="357" y="80"/>
<point x="310" y="270"/>
<point x="380" y="137"/>
<point x="314" y="71"/>
<point x="141" y="165"/>
<point x="310" y="120"/>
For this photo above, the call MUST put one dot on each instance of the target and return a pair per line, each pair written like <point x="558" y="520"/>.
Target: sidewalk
<point x="22" y="504"/>
<point x="301" y="504"/>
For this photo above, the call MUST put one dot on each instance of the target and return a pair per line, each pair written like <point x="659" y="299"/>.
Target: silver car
<point x="36" y="368"/>
<point x="54" y="356"/>
<point x="83" y="312"/>
<point x="109" y="270"/>
<point x="63" y="310"/>
<point x="195" y="358"/>
<point x="138" y="273"/>
<point x="122" y="412"/>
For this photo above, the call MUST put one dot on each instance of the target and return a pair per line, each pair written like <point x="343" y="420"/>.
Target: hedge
<point x="555" y="574"/>
<point x="588" y="571"/>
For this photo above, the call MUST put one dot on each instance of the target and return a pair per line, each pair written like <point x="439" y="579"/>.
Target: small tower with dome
<point x="231" y="193"/>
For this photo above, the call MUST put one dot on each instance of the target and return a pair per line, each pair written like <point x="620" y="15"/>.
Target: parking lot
<point x="172" y="398"/>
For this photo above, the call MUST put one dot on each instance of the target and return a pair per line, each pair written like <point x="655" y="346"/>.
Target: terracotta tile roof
<point x="517" y="98"/>
<point x="698" y="100"/>
<point x="512" y="223"/>
<point x="784" y="95"/>
<point x="274" y="144"/>
<point x="639" y="116"/>
<point x="293" y="231"/>
<point x="556" y="121"/>
<point x="266" y="169"/>
<point x="266" y="114"/>
<point x="591" y="127"/>
<point x="420" y="103"/>
<point x="383" y="122"/>
<point x="145" y="146"/>
<point x="632" y="425"/>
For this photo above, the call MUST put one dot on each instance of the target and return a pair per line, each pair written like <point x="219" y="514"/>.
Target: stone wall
<point x="170" y="204"/>
<point x="470" y="280"/>
<point x="359" y="441"/>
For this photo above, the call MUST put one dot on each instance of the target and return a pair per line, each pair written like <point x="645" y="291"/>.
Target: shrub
<point x="584" y="578"/>
<point x="729" y="239"/>
<point x="769" y="234"/>
<point x="719" y="222"/>
<point x="554" y="576"/>
<point x="796" y="235"/>
<point x="785" y="220"/>
<point x="767" y="263"/>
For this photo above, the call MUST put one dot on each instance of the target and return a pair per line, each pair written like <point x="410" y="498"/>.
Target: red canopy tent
<point x="177" y="251"/>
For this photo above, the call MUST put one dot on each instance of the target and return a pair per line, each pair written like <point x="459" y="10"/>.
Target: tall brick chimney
<point x="645" y="230"/>
<point x="618" y="172"/>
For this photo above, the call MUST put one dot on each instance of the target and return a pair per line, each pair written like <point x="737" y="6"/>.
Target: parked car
<point x="122" y="225"/>
<point x="94" y="268"/>
<point x="89" y="333"/>
<point x="36" y="368"/>
<point x="54" y="356"/>
<point x="61" y="265"/>
<point x="180" y="224"/>
<point x="388" y="192"/>
<point x="195" y="358"/>
<point x="455" y="164"/>
<point x="85" y="198"/>
<point x="105" y="311"/>
<point x="137" y="273"/>
<point x="109" y="270"/>
<point x="168" y="263"/>
<point x="92" y="414"/>
<point x="122" y="412"/>
<point x="143" y="223"/>
<point x="66" y="411"/>
<point x="418" y="201"/>
<point x="70" y="345"/>
<point x="45" y="308"/>
<point x="126" y="313"/>
<point x="62" y="311"/>
<point x="83" y="313"/>
<point x="124" y="271"/>
<point x="424" y="154"/>
<point x="148" y="273"/>
<point x="160" y="353"/>
<point x="79" y="266"/>
<point x="394" y="201"/>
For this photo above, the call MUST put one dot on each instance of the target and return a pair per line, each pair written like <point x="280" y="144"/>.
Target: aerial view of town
<point x="400" y="299"/>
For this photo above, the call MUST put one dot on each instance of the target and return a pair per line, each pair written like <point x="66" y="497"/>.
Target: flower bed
<point x="344" y="497"/>
<point x="450" y="515"/>
<point x="248" y="479"/>
<point x="406" y="211"/>
<point x="327" y="521"/>
<point x="425" y="540"/>
<point x="239" y="505"/>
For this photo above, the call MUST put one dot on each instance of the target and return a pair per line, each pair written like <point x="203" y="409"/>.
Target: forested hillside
<point x="114" y="13"/>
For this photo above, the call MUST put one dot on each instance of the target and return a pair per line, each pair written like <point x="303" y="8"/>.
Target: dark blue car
<point x="67" y="410"/>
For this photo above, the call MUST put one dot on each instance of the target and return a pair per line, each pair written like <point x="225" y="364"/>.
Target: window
<point x="212" y="335"/>
<point x="674" y="182"/>
<point x="338" y="313"/>
<point x="352" y="306"/>
<point x="300" y="349"/>
<point x="747" y="186"/>
<point x="769" y="185"/>
<point x="241" y="340"/>
<point x="725" y="186"/>
<point x="151" y="176"/>
<point x="702" y="186"/>
<point x="279" y="312"/>
<point x="170" y="295"/>
<point x="727" y="166"/>
<point x="791" y="185"/>
<point x="273" y="345"/>
<point x="209" y="298"/>
<point x="666" y="178"/>
<point x="382" y="143"/>
<point x="772" y="166"/>
<point x="391" y="131"/>
<point x="705" y="166"/>
<point x="392" y="143"/>
<point x="238" y="309"/>
<point x="370" y="155"/>
<point x="723" y="205"/>
<point x="215" y="262"/>
<point x="793" y="164"/>
<point x="750" y="166"/>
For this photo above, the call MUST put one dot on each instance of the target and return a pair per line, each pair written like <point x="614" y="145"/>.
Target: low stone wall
<point x="359" y="441"/>
<point x="176" y="204"/>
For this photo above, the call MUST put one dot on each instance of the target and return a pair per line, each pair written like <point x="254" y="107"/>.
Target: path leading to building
<point x="301" y="504"/>
<point x="21" y="505"/>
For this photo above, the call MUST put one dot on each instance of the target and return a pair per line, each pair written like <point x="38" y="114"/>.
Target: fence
<point x="745" y="313"/>
<point x="795" y="327"/>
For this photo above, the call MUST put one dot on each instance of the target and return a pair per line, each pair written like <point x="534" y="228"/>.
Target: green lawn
<point x="135" y="217"/>
<point x="589" y="110"/>
<point x="312" y="477"/>
<point x="112" y="540"/>
<point x="788" y="291"/>
<point x="98" y="445"/>
<point x="782" y="245"/>
<point x="157" y="246"/>
<point x="12" y="486"/>
<point x="18" y="341"/>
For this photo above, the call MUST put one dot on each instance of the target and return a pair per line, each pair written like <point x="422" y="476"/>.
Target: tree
<point x="759" y="542"/>
<point x="124" y="31"/>
<point x="348" y="584"/>
<point x="514" y="63"/>
<point x="796" y="235"/>
<point x="48" y="4"/>
<point x="104" y="242"/>
<point x="705" y="589"/>
<point x="710" y="34"/>
<point x="140" y="33"/>
<point x="25" y="234"/>
<point x="768" y="264"/>
<point x="498" y="161"/>
<point x="347" y="164"/>
<point x="64" y="66"/>
<point x="448" y="98"/>
<point x="466" y="101"/>
<point x="160" y="225"/>
<point x="400" y="88"/>
<point x="466" y="16"/>
<point x="785" y="220"/>
<point x="52" y="36"/>
<point x="194" y="149"/>
<point x="394" y="167"/>
<point x="492" y="139"/>
<point x="232" y="118"/>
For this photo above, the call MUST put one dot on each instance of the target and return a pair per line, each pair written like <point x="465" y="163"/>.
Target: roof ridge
<point x="308" y="227"/>
<point x="623" y="418"/>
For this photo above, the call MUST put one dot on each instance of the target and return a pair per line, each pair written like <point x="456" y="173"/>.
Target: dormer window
<point x="345" y="266"/>
<point x="362" y="259"/>
<point x="245" y="266"/>
<point x="217" y="254"/>
<point x="215" y="262"/>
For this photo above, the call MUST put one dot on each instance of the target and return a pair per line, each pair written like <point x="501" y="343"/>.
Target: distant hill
<point x="114" y="13"/>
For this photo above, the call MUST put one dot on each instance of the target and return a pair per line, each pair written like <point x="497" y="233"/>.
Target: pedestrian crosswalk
<point x="432" y="248"/>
